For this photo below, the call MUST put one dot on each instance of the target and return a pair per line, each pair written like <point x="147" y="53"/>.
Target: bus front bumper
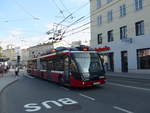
<point x="78" y="83"/>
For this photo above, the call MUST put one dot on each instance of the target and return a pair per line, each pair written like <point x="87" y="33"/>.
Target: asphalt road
<point x="38" y="96"/>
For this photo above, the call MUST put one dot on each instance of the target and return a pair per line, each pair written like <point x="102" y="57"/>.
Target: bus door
<point x="66" y="69"/>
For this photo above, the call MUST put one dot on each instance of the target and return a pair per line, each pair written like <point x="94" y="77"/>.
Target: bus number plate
<point x="96" y="83"/>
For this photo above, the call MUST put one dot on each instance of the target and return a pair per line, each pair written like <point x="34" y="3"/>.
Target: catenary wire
<point x="26" y="11"/>
<point x="105" y="20"/>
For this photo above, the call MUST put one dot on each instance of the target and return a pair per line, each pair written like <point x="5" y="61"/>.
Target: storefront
<point x="124" y="61"/>
<point x="143" y="58"/>
<point x="132" y="55"/>
<point x="108" y="58"/>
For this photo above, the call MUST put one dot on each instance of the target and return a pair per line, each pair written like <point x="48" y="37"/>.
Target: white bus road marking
<point x="138" y="88"/>
<point x="34" y="107"/>
<point x="29" y="76"/>
<point x="122" y="109"/>
<point x="91" y="98"/>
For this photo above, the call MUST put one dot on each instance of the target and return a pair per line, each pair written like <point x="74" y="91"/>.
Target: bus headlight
<point x="101" y="77"/>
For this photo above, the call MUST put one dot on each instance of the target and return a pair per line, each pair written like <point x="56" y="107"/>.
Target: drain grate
<point x="71" y="107"/>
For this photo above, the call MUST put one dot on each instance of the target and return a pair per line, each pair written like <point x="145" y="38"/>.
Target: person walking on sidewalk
<point x="106" y="67"/>
<point x="17" y="71"/>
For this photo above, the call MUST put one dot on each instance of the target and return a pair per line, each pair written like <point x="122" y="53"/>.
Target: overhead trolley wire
<point x="131" y="29"/>
<point x="61" y="11"/>
<point x="103" y="16"/>
<point x="64" y="6"/>
<point x="94" y="12"/>
<point x="26" y="11"/>
<point x="71" y="14"/>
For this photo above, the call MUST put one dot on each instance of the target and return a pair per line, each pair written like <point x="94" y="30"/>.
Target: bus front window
<point x="89" y="64"/>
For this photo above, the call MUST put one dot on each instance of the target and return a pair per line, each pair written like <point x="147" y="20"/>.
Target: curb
<point x="8" y="85"/>
<point x="1" y="91"/>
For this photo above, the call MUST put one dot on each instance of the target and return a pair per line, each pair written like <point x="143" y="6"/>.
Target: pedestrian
<point x="17" y="71"/>
<point x="106" y="67"/>
<point x="5" y="69"/>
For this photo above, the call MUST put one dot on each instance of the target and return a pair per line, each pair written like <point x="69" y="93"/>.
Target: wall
<point x="118" y="46"/>
<point x="130" y="19"/>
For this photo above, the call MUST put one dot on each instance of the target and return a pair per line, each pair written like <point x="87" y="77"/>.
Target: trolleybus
<point x="75" y="67"/>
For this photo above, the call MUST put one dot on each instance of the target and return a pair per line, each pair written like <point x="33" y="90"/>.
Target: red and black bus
<point x="76" y="67"/>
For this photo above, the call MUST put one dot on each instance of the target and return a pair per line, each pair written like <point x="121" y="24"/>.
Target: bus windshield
<point x="89" y="63"/>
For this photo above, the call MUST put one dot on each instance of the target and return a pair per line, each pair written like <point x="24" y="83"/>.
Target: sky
<point x="24" y="23"/>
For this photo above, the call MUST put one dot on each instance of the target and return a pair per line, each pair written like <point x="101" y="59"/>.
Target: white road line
<point x="138" y="88"/>
<point x="121" y="109"/>
<point x="65" y="88"/>
<point x="29" y="76"/>
<point x="91" y="98"/>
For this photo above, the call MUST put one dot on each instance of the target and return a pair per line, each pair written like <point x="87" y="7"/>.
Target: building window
<point x="99" y="38"/>
<point x="123" y="32"/>
<point x="109" y="16"/>
<point x="139" y="28"/>
<point x="123" y="10"/>
<point x="143" y="58"/>
<point x="110" y="36"/>
<point x="108" y="1"/>
<point x="98" y="4"/>
<point x="99" y="20"/>
<point x="138" y="4"/>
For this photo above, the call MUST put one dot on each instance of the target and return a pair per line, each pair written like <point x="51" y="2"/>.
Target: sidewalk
<point x="7" y="79"/>
<point x="128" y="75"/>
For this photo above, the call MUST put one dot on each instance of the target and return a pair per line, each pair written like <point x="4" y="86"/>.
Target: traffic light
<point x="18" y="59"/>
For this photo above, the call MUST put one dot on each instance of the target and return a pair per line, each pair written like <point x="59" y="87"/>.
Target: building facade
<point x="75" y="43"/>
<point x="11" y="53"/>
<point x="24" y="56"/>
<point x="122" y="26"/>
<point x="39" y="50"/>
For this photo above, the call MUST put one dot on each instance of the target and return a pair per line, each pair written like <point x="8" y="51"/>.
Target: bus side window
<point x="59" y="64"/>
<point x="50" y="65"/>
<point x="66" y="67"/>
<point x="73" y="67"/>
<point x="34" y="64"/>
<point x="74" y="70"/>
<point x="43" y="65"/>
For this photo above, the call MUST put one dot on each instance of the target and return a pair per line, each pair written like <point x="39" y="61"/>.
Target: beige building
<point x="122" y="26"/>
<point x="24" y="56"/>
<point x="78" y="43"/>
<point x="39" y="50"/>
<point x="11" y="53"/>
<point x="75" y="43"/>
